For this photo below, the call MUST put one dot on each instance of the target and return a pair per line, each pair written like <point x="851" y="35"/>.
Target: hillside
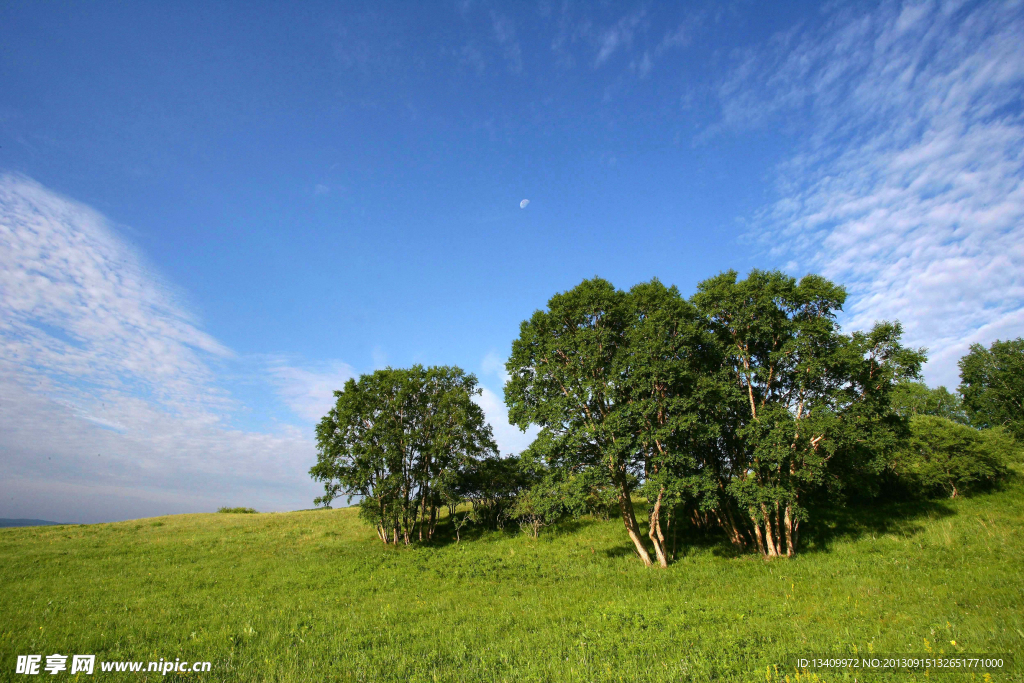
<point x="314" y="596"/>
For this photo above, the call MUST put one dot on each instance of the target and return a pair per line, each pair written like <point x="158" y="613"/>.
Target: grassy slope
<point x="313" y="596"/>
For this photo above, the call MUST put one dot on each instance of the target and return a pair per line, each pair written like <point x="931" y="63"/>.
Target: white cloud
<point x="108" y="385"/>
<point x="508" y="437"/>
<point x="493" y="365"/>
<point x="618" y="36"/>
<point x="310" y="393"/>
<point x="908" y="186"/>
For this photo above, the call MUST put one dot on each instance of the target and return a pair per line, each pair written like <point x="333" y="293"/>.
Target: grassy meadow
<point x="314" y="596"/>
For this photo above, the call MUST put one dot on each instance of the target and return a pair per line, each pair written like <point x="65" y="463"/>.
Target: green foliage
<point x="491" y="485"/>
<point x="402" y="439"/>
<point x="916" y="398"/>
<point x="238" y="511"/>
<point x="802" y="406"/>
<point x="732" y="406"/>
<point x="992" y="384"/>
<point x="943" y="456"/>
<point x="314" y="596"/>
<point x="615" y="380"/>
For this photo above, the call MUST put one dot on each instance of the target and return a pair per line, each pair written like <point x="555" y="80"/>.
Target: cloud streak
<point x="108" y="385"/>
<point x="908" y="185"/>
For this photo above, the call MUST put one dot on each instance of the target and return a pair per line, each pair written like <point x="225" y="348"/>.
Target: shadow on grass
<point x="832" y="523"/>
<point x="445" y="533"/>
<point x="828" y="524"/>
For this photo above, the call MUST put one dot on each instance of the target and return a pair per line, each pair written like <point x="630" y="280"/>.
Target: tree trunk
<point x="790" y="548"/>
<point x="629" y="520"/>
<point x="655" y="531"/>
<point x="423" y="510"/>
<point x="757" y="533"/>
<point x="769" y="533"/>
<point x="732" y="528"/>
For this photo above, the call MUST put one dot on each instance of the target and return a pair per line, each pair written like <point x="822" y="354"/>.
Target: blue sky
<point x="213" y="214"/>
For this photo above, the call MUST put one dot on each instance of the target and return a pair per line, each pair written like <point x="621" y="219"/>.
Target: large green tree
<point x="992" y="385"/>
<point x="401" y="439"/>
<point x="804" y="405"/>
<point x="613" y="379"/>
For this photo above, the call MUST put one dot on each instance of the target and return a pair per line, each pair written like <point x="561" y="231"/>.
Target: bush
<point x="238" y="511"/>
<point x="943" y="456"/>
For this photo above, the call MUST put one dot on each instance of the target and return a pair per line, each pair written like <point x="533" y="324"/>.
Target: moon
<point x="522" y="204"/>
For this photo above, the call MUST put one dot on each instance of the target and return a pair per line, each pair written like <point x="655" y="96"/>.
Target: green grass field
<point x="311" y="596"/>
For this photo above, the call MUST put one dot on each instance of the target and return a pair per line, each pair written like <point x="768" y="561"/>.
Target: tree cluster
<point x="732" y="406"/>
<point x="403" y="440"/>
<point x="729" y="410"/>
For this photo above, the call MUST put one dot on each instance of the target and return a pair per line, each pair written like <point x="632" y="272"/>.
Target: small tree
<point x="941" y="455"/>
<point x="492" y="484"/>
<point x="992" y="384"/>
<point x="400" y="439"/>
<point x="554" y="494"/>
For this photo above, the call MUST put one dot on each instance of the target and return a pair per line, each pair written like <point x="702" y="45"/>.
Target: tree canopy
<point x="401" y="440"/>
<point x="917" y="398"/>
<point x="736" y="403"/>
<point x="992" y="385"/>
<point x="613" y="380"/>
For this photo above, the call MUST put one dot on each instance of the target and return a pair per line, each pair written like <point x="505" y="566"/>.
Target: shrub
<point x="238" y="511"/>
<point x="941" y="455"/>
<point x="538" y="507"/>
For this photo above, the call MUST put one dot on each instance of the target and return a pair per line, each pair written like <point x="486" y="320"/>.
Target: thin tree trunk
<point x="423" y="511"/>
<point x="757" y="533"/>
<point x="790" y="548"/>
<point x="655" y="531"/>
<point x="732" y="528"/>
<point x="769" y="532"/>
<point x="629" y="520"/>
<point x="664" y="546"/>
<point x="674" y="524"/>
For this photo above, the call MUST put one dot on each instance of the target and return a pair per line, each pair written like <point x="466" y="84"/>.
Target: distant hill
<point x="25" y="522"/>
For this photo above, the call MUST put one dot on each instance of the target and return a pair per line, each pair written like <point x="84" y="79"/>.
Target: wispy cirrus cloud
<point x="309" y="392"/>
<point x="111" y="392"/>
<point x="505" y="34"/>
<point x="908" y="183"/>
<point x="108" y="385"/>
<point x="618" y="36"/>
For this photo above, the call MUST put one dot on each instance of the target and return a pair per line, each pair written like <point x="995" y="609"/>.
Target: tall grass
<point x="309" y="596"/>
